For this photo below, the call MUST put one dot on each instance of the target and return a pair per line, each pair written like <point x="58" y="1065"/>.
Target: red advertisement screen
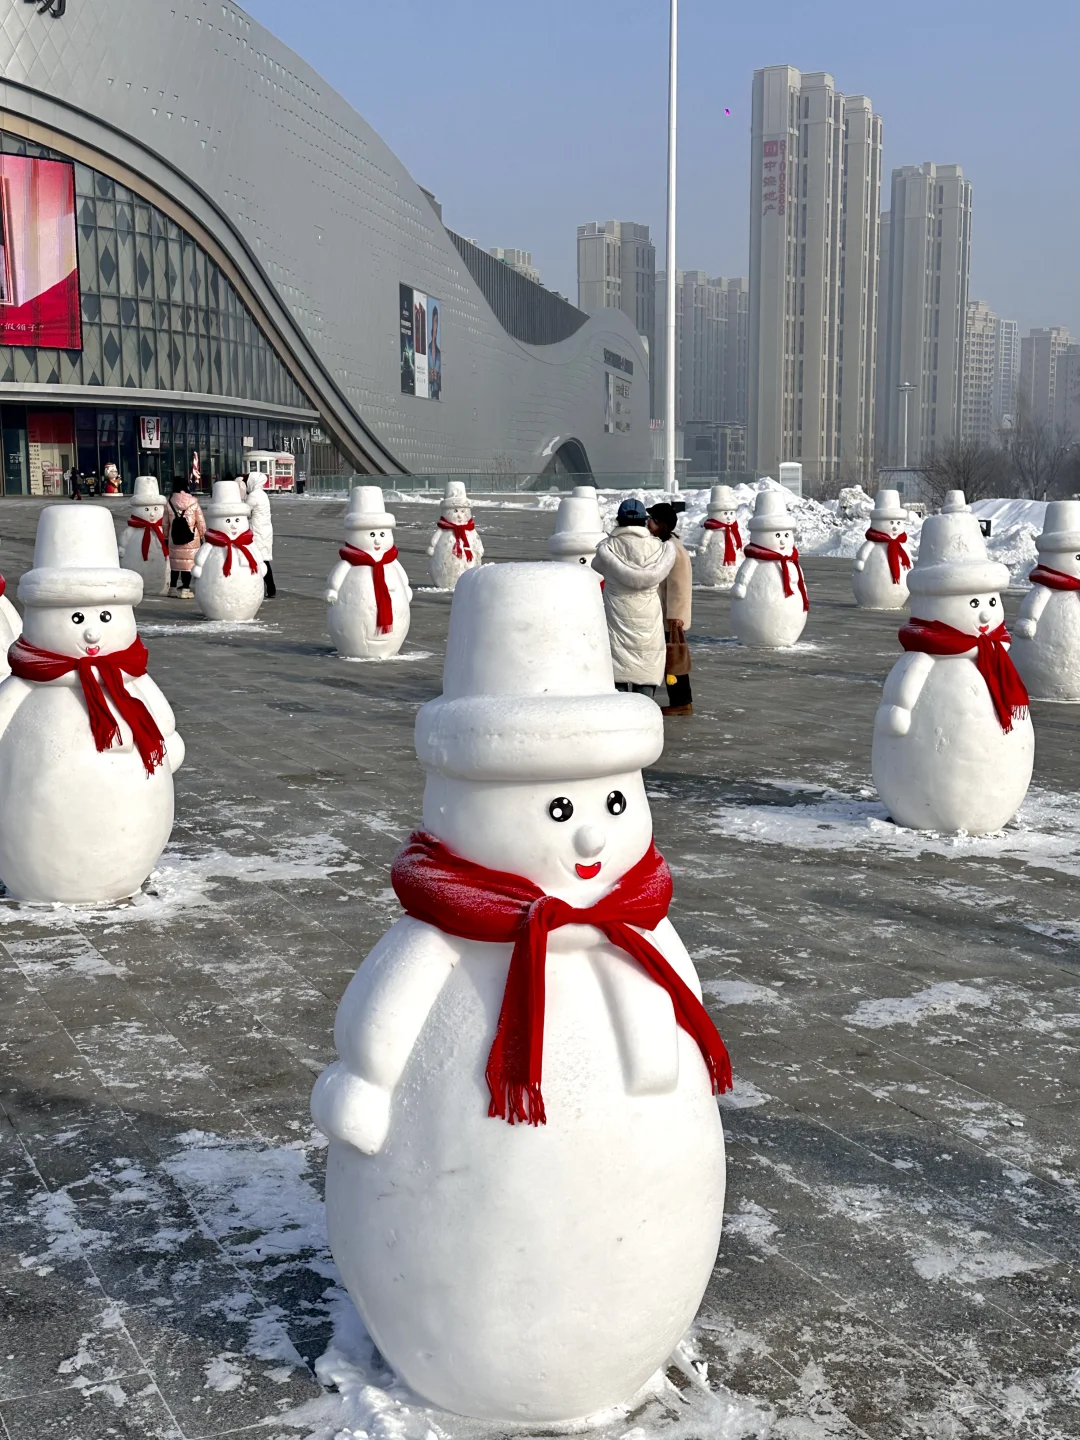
<point x="39" y="272"/>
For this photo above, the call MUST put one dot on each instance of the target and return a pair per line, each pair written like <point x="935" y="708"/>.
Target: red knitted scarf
<point x="462" y="549"/>
<point x="438" y="887"/>
<point x="1041" y="575"/>
<point x="1007" y="690"/>
<point x="897" y="554"/>
<point x="228" y="544"/>
<point x="758" y="552"/>
<point x="732" y="538"/>
<point x="384" y="605"/>
<point x="29" y="662"/>
<point x="150" y="527"/>
<point x="3" y="586"/>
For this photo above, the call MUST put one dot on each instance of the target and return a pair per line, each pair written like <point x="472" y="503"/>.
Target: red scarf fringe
<point x="491" y="906"/>
<point x="992" y="660"/>
<point x="384" y="605"/>
<point x="150" y="527"/>
<point x="29" y="662"/>
<point x="228" y="544"/>
<point x="732" y="543"/>
<point x="897" y="554"/>
<point x="462" y="549"/>
<point x="1041" y="575"/>
<point x="759" y="552"/>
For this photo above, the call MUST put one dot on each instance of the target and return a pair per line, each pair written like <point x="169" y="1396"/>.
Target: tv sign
<point x="55" y="8"/>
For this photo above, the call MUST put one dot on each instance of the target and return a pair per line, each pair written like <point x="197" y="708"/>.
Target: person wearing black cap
<point x="675" y="593"/>
<point x="634" y="563"/>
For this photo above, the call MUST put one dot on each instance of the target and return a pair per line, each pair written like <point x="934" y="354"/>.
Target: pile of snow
<point x="1014" y="526"/>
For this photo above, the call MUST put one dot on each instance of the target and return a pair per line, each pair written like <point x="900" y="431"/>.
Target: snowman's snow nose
<point x="91" y="634"/>
<point x="589" y="840"/>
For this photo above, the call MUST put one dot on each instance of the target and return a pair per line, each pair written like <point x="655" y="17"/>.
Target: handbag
<point x="677" y="661"/>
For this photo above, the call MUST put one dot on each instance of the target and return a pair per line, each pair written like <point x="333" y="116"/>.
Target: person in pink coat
<point x="183" y="514"/>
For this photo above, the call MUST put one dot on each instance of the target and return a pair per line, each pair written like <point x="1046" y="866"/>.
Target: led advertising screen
<point x="421" y="343"/>
<point x="39" y="272"/>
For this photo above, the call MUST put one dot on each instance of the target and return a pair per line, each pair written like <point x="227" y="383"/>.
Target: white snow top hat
<point x="955" y="503"/>
<point x="367" y="510"/>
<point x="578" y="525"/>
<point x="1061" y="527"/>
<point x="455" y="493"/>
<point x="227" y="499"/>
<point x="722" y="497"/>
<point x="528" y="688"/>
<point x="584" y="492"/>
<point x="953" y="559"/>
<point x="76" y="561"/>
<point x="771" y="512"/>
<point x="887" y="506"/>
<point x="146" y="492"/>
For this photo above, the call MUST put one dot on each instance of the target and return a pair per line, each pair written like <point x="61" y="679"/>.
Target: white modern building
<point x="519" y="260"/>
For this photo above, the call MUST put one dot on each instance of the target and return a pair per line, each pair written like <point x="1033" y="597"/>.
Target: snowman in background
<point x="578" y="527"/>
<point x="769" y="603"/>
<point x="1046" y="650"/>
<point x="367" y="593"/>
<point x="717" y="560"/>
<point x="536" y="1271"/>
<point x="228" y="570"/>
<point x="455" y="546"/>
<point x="10" y="628"/>
<point x="88" y="743"/>
<point x="955" y="503"/>
<point x="144" y="545"/>
<point x="953" y="743"/>
<point x="879" y="575"/>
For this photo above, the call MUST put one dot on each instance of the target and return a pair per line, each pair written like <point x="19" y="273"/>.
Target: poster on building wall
<point x="149" y="432"/>
<point x="774" y="177"/>
<point x="616" y="404"/>
<point x="39" y="271"/>
<point x="420" y="325"/>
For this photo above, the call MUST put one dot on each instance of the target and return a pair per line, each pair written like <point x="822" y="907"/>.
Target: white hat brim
<point x="211" y="510"/>
<point x="1058" y="541"/>
<point x="106" y="586"/>
<point x="959" y="579"/>
<point x="574" y="542"/>
<point x="376" y="521"/>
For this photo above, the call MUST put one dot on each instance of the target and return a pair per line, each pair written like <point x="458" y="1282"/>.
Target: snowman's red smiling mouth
<point x="588" y="872"/>
<point x="92" y="649"/>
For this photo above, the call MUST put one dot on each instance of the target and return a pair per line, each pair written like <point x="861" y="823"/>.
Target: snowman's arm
<point x="404" y="579"/>
<point x="378" y="1023"/>
<point x="434" y="540"/>
<point x="149" y="692"/>
<point x="743" y="577"/>
<point x="477" y="545"/>
<point x="863" y="554"/>
<point x="201" y="557"/>
<point x="1031" y="609"/>
<point x="335" y="580"/>
<point x="122" y="543"/>
<point x="901" y="692"/>
<point x="13" y="692"/>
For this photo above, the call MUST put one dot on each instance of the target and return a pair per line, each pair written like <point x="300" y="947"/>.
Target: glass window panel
<point x="70" y="367"/>
<point x="190" y="315"/>
<point x="7" y="363"/>
<point x="92" y="366"/>
<point x="86" y="244"/>
<point x="146" y="315"/>
<point x="161" y="268"/>
<point x="129" y="339"/>
<point x="106" y="214"/>
<point x="176" y="361"/>
<point x="158" y="226"/>
<point x="84" y="180"/>
<point x="174" y="267"/>
<point x="129" y="312"/>
<point x="164" y="363"/>
<point x="177" y="318"/>
<point x="110" y="351"/>
<point x="108" y="268"/>
<point x="144" y="272"/>
<point x="193" y="376"/>
<point x="104" y="187"/>
<point x="48" y="367"/>
<point x="142" y="219"/>
<point x="110" y="310"/>
<point x="147" y="360"/>
<point x="125" y="254"/>
<point x="91" y="306"/>
<point x="88" y="214"/>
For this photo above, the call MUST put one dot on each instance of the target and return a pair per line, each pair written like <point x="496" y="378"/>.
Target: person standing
<point x="675" y="598"/>
<point x="634" y="564"/>
<point x="187" y="526"/>
<point x="262" y="525"/>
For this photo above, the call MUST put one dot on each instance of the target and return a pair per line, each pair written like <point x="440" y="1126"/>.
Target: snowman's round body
<point x="444" y="565"/>
<point x="874" y="586"/>
<point x="155" y="568"/>
<point x="765" y="616"/>
<point x="237" y="596"/>
<point x="709" y="567"/>
<point x="10" y="630"/>
<point x="1049" y="660"/>
<point x="352" y="620"/>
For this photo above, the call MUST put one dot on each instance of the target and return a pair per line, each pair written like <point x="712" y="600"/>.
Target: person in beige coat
<point x="634" y="564"/>
<point x="675" y="597"/>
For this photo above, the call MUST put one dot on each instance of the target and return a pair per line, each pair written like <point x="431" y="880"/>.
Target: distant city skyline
<point x="526" y="174"/>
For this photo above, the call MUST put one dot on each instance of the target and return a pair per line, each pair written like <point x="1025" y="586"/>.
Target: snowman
<point x="455" y="546"/>
<point x="578" y="527"/>
<point x="955" y="503"/>
<point x="717" y="560"/>
<point x="1046" y="650"/>
<point x="769" y="602"/>
<point x="228" y="570"/>
<point x="368" y="594"/>
<point x="88" y="743"/>
<point x="953" y="743"/>
<point x="10" y="628"/>
<point x="878" y="577"/>
<point x="144" y="546"/>
<point x="541" y="1270"/>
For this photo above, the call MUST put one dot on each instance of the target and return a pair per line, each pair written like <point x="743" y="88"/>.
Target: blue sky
<point x="530" y="118"/>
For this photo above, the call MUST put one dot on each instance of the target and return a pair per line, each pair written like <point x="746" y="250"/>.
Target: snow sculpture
<point x="367" y="593"/>
<point x="1046" y="649"/>
<point x="88" y="743"/>
<point x="878" y="576"/>
<point x="534" y="1271"/>
<point x="144" y="545"/>
<point x="953" y="743"/>
<point x="717" y="559"/>
<point x="769" y="603"/>
<point x="955" y="503"/>
<point x="228" y="570"/>
<point x="455" y="546"/>
<point x="578" y="527"/>
<point x="10" y="628"/>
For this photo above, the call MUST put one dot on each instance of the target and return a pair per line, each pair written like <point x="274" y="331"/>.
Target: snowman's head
<point x="890" y="527"/>
<point x="974" y="613"/>
<point x="1059" y="544"/>
<point x="954" y="580"/>
<point x="373" y="541"/>
<point x="727" y="516"/>
<point x="80" y="630"/>
<point x="148" y="512"/>
<point x="780" y="540"/>
<point x="231" y="524"/>
<point x="457" y="514"/>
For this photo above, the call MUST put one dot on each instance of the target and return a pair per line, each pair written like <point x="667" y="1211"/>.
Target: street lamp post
<point x="905" y="390"/>
<point x="669" y="313"/>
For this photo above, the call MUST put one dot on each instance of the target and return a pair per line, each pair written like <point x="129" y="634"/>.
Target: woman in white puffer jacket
<point x="262" y="525"/>
<point x="633" y="564"/>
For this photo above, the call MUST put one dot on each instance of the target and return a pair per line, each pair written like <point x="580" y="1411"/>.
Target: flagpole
<point x="669" y="312"/>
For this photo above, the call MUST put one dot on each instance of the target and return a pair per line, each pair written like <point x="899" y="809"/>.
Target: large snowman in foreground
<point x="88" y="743"/>
<point x="456" y="545"/>
<point x="367" y="593"/>
<point x="769" y="603"/>
<point x="228" y="570"/>
<point x="535" y="1271"/>
<point x="578" y="527"/>
<point x="879" y="574"/>
<point x="1046" y="650"/>
<point x="953" y="743"/>
<point x="144" y="546"/>
<point x="717" y="559"/>
<point x="10" y="627"/>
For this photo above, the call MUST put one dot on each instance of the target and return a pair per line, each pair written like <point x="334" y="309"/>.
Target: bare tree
<point x="967" y="464"/>
<point x="1041" y="459"/>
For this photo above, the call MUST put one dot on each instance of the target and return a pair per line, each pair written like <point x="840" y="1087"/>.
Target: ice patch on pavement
<point x="198" y="626"/>
<point x="754" y="1224"/>
<point x="740" y="992"/>
<point x="973" y="1262"/>
<point x="943" y="999"/>
<point x="382" y="660"/>
<point x="743" y="1095"/>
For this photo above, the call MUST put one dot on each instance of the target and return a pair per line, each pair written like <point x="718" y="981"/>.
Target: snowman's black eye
<point x="974" y="604"/>
<point x="78" y="618"/>
<point x="582" y="560"/>
<point x="105" y="616"/>
<point x="561" y="809"/>
<point x="993" y="604"/>
<point x="616" y="802"/>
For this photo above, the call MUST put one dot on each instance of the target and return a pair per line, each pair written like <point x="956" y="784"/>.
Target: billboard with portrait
<point x="39" y="271"/>
<point x="420" y="325"/>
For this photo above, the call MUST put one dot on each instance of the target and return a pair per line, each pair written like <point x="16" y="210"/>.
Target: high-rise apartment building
<point x="1067" y="392"/>
<point x="924" y="311"/>
<point x="815" y="189"/>
<point x="1008" y="367"/>
<point x="991" y="359"/>
<point x="710" y="347"/>
<point x="519" y="260"/>
<point x="616" y="270"/>
<point x="1039" y="352"/>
